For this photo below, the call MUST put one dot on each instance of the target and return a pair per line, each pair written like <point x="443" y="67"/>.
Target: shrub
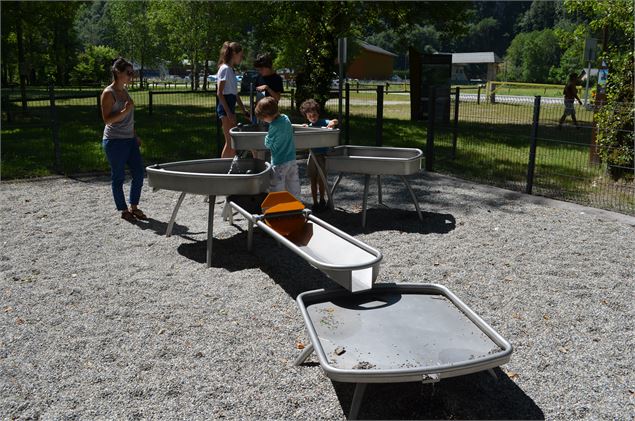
<point x="615" y="120"/>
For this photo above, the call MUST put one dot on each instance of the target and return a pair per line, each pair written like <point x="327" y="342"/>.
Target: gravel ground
<point x="101" y="318"/>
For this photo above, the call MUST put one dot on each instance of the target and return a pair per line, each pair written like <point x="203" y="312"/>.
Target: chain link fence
<point x="516" y="142"/>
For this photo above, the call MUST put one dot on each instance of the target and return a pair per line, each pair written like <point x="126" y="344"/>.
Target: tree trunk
<point x="195" y="71"/>
<point x="205" y="83"/>
<point x="141" y="74"/>
<point x="21" y="63"/>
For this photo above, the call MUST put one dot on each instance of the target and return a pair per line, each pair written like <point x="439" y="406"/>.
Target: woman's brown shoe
<point x="128" y="216"/>
<point x="138" y="213"/>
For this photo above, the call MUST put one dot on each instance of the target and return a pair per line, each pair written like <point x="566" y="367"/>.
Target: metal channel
<point x="348" y="261"/>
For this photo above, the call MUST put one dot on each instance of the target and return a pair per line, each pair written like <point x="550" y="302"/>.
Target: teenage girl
<point x="231" y="54"/>
<point x="120" y="140"/>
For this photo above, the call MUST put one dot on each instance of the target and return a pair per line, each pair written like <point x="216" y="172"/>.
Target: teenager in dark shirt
<point x="268" y="83"/>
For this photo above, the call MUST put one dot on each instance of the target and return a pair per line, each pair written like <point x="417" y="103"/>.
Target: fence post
<point x="478" y="96"/>
<point x="455" y="128"/>
<point x="379" y="127"/>
<point x="219" y="128"/>
<point x="150" y="102"/>
<point x="347" y="115"/>
<point x="292" y="97"/>
<point x="531" y="166"/>
<point x="55" y="130"/>
<point x="98" y="107"/>
<point x="6" y="105"/>
<point x="432" y="99"/>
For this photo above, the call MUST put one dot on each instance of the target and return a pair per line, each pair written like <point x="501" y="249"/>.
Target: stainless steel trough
<point x="377" y="161"/>
<point x="252" y="138"/>
<point x="397" y="333"/>
<point x="346" y="260"/>
<point x="208" y="177"/>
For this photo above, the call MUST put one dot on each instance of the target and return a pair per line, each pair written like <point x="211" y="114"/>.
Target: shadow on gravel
<point x="386" y="219"/>
<point x="475" y="396"/>
<point x="288" y="270"/>
<point x="160" y="228"/>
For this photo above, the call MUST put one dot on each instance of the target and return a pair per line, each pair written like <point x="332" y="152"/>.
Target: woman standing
<point x="231" y="54"/>
<point x="120" y="140"/>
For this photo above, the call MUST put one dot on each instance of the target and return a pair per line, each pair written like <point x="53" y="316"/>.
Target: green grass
<point x="492" y="147"/>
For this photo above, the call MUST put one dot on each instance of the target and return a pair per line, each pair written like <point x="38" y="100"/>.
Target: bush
<point x="94" y="65"/>
<point x="615" y="119"/>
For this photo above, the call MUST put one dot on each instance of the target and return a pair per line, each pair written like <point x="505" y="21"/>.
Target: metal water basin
<point x="399" y="333"/>
<point x="252" y="137"/>
<point x="209" y="177"/>
<point x="374" y="160"/>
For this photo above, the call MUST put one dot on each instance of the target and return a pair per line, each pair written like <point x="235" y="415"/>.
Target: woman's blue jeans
<point x="122" y="152"/>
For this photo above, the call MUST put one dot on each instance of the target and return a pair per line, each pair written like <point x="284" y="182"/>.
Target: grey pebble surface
<point x="101" y="318"/>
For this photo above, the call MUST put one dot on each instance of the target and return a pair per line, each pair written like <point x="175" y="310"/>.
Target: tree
<point x="135" y="35"/>
<point x="309" y="30"/>
<point x="541" y="15"/>
<point x="614" y="21"/>
<point x="532" y="56"/>
<point x="93" y="24"/>
<point x="94" y="65"/>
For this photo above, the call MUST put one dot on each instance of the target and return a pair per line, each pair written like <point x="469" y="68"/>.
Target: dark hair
<point x="227" y="51"/>
<point x="266" y="107"/>
<point x="309" y="106"/>
<point x="263" y="60"/>
<point x="573" y="76"/>
<point x="119" y="65"/>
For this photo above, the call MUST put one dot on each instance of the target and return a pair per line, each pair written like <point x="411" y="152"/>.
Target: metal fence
<point x="515" y="142"/>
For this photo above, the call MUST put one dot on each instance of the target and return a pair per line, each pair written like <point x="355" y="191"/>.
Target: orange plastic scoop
<point x="276" y="205"/>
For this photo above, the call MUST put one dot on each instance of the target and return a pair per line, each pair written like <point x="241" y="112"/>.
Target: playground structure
<point x="363" y="333"/>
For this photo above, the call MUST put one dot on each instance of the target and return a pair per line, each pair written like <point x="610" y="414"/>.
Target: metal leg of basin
<point x="250" y="236"/>
<point x="414" y="198"/>
<point x="365" y="200"/>
<point x="324" y="180"/>
<point x="168" y="232"/>
<point x="381" y="202"/>
<point x="337" y="182"/>
<point x="210" y="229"/>
<point x="303" y="355"/>
<point x="358" y="395"/>
<point x="229" y="213"/>
<point x="492" y="373"/>
<point x="226" y="212"/>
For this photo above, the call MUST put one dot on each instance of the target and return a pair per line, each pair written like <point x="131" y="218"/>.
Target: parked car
<point x="211" y="78"/>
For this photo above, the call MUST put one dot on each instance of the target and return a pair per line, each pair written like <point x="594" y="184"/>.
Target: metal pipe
<point x="365" y="200"/>
<point x="210" y="229"/>
<point x="414" y="198"/>
<point x="168" y="232"/>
